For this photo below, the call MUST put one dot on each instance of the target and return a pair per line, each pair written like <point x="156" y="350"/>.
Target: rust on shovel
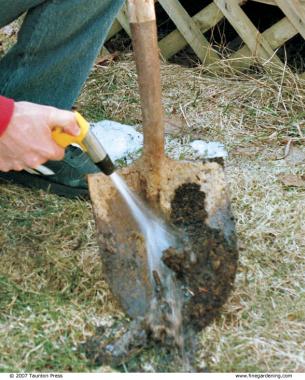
<point x="191" y="196"/>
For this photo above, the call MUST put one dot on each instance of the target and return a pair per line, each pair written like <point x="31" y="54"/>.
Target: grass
<point x="262" y="328"/>
<point x="51" y="283"/>
<point x="53" y="295"/>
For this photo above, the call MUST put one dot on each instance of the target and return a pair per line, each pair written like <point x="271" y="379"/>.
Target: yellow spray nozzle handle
<point x="64" y="139"/>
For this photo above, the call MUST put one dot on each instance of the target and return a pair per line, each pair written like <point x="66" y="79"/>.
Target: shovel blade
<point x="193" y="198"/>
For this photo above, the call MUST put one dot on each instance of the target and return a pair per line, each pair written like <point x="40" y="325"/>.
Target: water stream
<point x="158" y="237"/>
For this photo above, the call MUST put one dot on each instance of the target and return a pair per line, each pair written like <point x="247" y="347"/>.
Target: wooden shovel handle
<point x="145" y="45"/>
<point x="141" y="11"/>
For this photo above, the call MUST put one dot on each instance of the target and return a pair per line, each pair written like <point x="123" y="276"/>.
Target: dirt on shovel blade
<point x="207" y="265"/>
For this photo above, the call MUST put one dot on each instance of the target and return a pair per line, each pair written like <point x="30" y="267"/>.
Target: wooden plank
<point x="255" y="41"/>
<point x="122" y="18"/>
<point x="205" y="20"/>
<point x="279" y="33"/>
<point x="115" y="28"/>
<point x="295" y="11"/>
<point x="190" y="31"/>
<point x="276" y="35"/>
<point x="104" y="52"/>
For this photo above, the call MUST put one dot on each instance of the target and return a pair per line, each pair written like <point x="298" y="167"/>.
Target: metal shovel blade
<point x="192" y="198"/>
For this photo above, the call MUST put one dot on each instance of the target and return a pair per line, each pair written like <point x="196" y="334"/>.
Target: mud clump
<point x="207" y="261"/>
<point x="129" y="340"/>
<point x="125" y="342"/>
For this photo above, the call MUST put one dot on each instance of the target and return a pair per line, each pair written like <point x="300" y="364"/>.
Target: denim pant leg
<point x="57" y="46"/>
<point x="10" y="10"/>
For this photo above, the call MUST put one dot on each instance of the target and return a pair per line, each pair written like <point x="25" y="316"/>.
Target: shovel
<point x="189" y="195"/>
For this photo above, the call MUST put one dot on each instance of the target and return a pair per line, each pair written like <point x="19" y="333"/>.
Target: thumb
<point x="65" y="120"/>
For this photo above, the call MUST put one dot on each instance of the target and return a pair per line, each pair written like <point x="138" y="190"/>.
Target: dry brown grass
<point x="53" y="294"/>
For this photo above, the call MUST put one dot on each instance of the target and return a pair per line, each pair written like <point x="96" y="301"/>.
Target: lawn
<point x="53" y="295"/>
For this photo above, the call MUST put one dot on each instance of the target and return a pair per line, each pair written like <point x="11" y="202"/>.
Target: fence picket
<point x="190" y="31"/>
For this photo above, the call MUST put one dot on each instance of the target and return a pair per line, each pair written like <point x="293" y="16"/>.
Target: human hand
<point x="27" y="141"/>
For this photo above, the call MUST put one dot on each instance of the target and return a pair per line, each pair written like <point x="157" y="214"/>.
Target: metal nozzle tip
<point x="106" y="165"/>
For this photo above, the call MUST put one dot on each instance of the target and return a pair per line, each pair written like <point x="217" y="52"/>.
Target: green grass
<point x="51" y="285"/>
<point x="38" y="336"/>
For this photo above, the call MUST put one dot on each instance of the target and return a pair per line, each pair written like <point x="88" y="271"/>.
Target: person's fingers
<point x="32" y="161"/>
<point x="28" y="142"/>
<point x="17" y="166"/>
<point x="64" y="119"/>
<point x="4" y="167"/>
<point x="55" y="152"/>
<point x="72" y="129"/>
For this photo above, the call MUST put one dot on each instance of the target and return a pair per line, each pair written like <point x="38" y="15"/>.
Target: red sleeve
<point x="6" y="112"/>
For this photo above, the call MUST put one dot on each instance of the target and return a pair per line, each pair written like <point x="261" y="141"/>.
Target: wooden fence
<point x="257" y="46"/>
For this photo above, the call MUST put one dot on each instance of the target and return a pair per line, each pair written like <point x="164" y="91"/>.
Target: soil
<point x="207" y="264"/>
<point x="121" y="352"/>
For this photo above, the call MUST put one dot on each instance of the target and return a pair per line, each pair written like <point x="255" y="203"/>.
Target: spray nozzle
<point x="88" y="142"/>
